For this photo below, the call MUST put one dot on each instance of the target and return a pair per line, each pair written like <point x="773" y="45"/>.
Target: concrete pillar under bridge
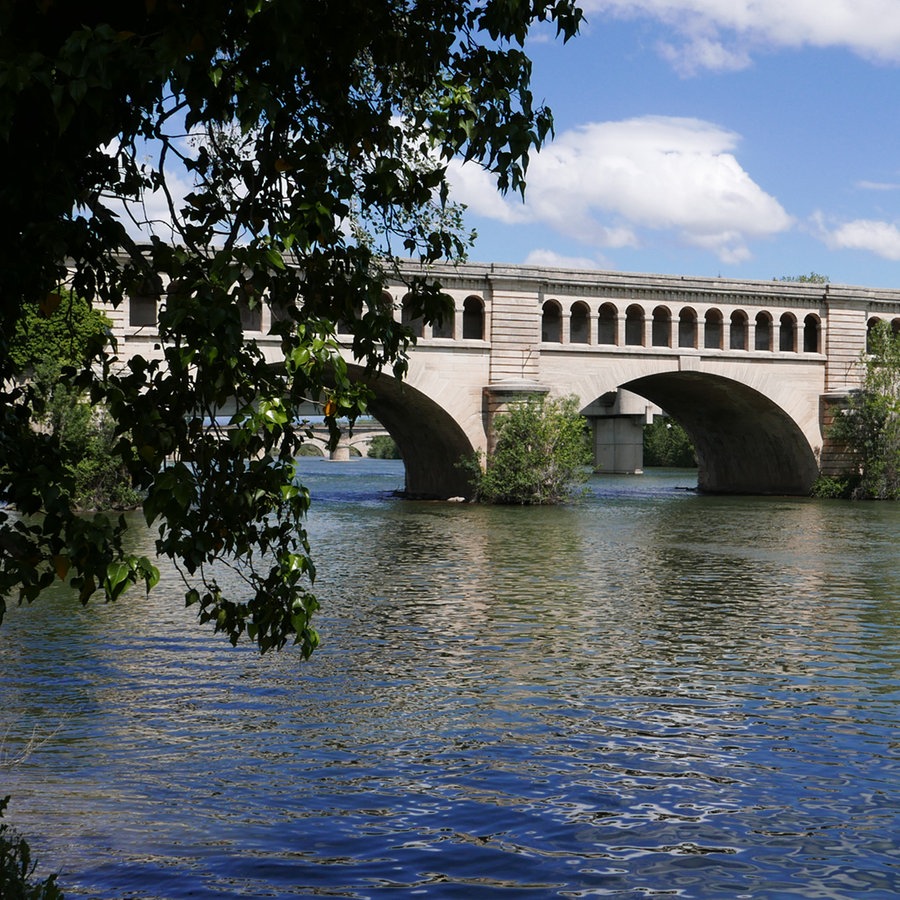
<point x="617" y="426"/>
<point x="341" y="452"/>
<point x="618" y="445"/>
<point x="498" y="398"/>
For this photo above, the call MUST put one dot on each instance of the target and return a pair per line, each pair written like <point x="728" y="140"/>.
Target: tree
<point x="666" y="443"/>
<point x="812" y="278"/>
<point x="869" y="427"/>
<point x="295" y="127"/>
<point x="383" y="446"/>
<point x="540" y="456"/>
<point x="48" y="340"/>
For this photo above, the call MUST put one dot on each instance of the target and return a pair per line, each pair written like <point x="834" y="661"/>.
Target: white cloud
<point x="877" y="186"/>
<point x="153" y="216"/>
<point x="875" y="236"/>
<point x="720" y="34"/>
<point x="609" y="184"/>
<point x="549" y="259"/>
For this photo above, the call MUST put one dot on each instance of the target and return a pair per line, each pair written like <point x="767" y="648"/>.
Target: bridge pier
<point x="499" y="397"/>
<point x="617" y="425"/>
<point x="341" y="452"/>
<point x="618" y="444"/>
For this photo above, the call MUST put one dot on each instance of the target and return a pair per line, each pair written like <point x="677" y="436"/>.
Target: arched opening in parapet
<point x="607" y="320"/>
<point x="251" y="316"/>
<point x="143" y="302"/>
<point x="662" y="327"/>
<point x="409" y="316"/>
<point x="739" y="329"/>
<point x="430" y="440"/>
<point x="763" y="339"/>
<point x="687" y="328"/>
<point x="787" y="333"/>
<point x="870" y="328"/>
<point x="473" y="319"/>
<point x="712" y="338"/>
<point x="634" y="326"/>
<point x="345" y="322"/>
<point x="745" y="443"/>
<point x="551" y="323"/>
<point x="811" y="327"/>
<point x="580" y="323"/>
<point x="446" y="327"/>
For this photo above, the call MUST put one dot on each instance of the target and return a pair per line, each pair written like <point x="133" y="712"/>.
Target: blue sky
<point x="743" y="138"/>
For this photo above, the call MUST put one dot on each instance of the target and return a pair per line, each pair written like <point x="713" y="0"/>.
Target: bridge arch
<point x="745" y="442"/>
<point x="431" y="441"/>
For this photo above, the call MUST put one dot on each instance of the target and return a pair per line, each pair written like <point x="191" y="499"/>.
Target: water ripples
<point x="653" y="695"/>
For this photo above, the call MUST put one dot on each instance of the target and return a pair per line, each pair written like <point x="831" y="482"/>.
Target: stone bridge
<point x="352" y="442"/>
<point x="752" y="370"/>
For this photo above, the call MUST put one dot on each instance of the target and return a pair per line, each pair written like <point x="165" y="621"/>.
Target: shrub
<point x="828" y="487"/>
<point x="383" y="446"/>
<point x="541" y="454"/>
<point x="666" y="443"/>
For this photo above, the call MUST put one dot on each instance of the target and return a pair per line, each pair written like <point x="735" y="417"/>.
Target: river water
<point x="651" y="693"/>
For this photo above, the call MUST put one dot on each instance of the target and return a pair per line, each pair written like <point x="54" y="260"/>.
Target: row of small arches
<point x="635" y="329"/>
<point x="471" y="322"/>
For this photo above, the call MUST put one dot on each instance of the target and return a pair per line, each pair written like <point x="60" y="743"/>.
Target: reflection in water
<point x="651" y="693"/>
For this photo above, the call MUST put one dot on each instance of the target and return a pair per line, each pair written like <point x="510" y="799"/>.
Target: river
<point x="650" y="693"/>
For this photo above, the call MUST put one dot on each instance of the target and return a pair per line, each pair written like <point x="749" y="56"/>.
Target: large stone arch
<point x="431" y="441"/>
<point x="745" y="442"/>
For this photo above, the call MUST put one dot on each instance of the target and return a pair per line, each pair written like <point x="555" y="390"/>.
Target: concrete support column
<point x="341" y="453"/>
<point x="619" y="444"/>
<point x="648" y="330"/>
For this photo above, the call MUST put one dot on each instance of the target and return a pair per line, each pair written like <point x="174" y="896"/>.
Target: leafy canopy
<point x="284" y="152"/>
